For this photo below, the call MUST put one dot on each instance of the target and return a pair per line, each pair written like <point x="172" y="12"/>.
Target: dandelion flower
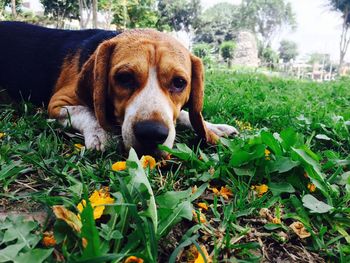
<point x="148" y="161"/>
<point x="199" y="216"/>
<point x="48" y="239"/>
<point x="132" y="259"/>
<point x="2" y="135"/>
<point x="267" y="154"/>
<point x="119" y="166"/>
<point x="311" y="187"/>
<point x="260" y="189"/>
<point x="78" y="146"/>
<point x="276" y="220"/>
<point x="203" y="206"/>
<point x="98" y="199"/>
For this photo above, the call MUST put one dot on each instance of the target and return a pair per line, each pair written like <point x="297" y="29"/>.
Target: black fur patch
<point x="31" y="56"/>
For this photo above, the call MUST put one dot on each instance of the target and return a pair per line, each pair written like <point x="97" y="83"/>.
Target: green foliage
<point x="131" y="14"/>
<point x="288" y="50"/>
<point x="304" y="126"/>
<point x="178" y="14"/>
<point x="61" y="9"/>
<point x="217" y="24"/>
<point x="18" y="241"/>
<point x="268" y="56"/>
<point x="227" y="49"/>
<point x="266" y="17"/>
<point x="203" y="51"/>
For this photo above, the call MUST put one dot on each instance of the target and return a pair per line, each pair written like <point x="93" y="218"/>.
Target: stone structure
<point x="246" y="52"/>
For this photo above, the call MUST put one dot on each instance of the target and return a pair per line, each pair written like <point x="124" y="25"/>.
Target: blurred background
<point x="292" y="38"/>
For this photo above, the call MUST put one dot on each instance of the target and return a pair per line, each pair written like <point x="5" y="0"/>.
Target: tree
<point x="13" y="4"/>
<point x="178" y="14"/>
<point x="288" y="50"/>
<point x="131" y="13"/>
<point x="268" y="56"/>
<point x="266" y="17"/>
<point x="84" y="5"/>
<point x="204" y="51"/>
<point x="227" y="49"/>
<point x="94" y="13"/>
<point x="343" y="6"/>
<point x="13" y="8"/>
<point x="217" y="24"/>
<point x="61" y="10"/>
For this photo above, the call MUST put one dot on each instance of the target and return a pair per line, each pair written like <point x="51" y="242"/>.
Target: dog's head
<point x="142" y="79"/>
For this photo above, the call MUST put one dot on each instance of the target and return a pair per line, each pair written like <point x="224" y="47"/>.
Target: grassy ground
<point x="238" y="201"/>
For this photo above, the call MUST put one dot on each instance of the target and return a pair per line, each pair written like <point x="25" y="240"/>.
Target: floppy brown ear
<point x="196" y="102"/>
<point x="93" y="82"/>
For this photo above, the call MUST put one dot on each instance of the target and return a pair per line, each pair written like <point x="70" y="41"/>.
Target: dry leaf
<point x="69" y="217"/>
<point x="300" y="230"/>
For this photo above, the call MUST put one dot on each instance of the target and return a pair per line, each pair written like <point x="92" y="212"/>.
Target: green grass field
<point x="294" y="143"/>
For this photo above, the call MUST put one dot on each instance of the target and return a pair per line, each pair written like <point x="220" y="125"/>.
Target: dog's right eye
<point x="126" y="79"/>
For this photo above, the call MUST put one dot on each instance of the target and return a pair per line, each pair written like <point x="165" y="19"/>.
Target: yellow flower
<point x="133" y="259"/>
<point x="224" y="192"/>
<point x="203" y="205"/>
<point x="78" y="146"/>
<point x="260" y="189"/>
<point x="276" y="220"/>
<point x="48" y="239"/>
<point x="147" y="160"/>
<point x="98" y="201"/>
<point x="267" y="154"/>
<point x="194" y="256"/>
<point x="2" y="135"/>
<point x="119" y="166"/>
<point x="311" y="187"/>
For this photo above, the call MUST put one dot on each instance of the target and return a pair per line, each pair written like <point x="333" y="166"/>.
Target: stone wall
<point x="246" y="52"/>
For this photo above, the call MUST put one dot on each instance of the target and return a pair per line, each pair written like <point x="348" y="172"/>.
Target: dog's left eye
<point x="178" y="84"/>
<point x="126" y="79"/>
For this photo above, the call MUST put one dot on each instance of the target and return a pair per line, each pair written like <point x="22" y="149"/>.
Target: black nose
<point x="150" y="133"/>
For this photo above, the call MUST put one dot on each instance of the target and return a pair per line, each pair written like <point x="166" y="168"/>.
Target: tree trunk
<point x="81" y="18"/>
<point x="13" y="8"/>
<point x="94" y="13"/>
<point x="344" y="40"/>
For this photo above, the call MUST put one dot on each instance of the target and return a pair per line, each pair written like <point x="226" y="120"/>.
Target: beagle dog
<point x="97" y="80"/>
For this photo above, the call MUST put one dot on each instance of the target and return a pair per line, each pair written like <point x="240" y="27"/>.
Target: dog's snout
<point x="151" y="132"/>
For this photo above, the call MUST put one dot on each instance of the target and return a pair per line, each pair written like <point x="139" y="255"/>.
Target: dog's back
<point x="31" y="56"/>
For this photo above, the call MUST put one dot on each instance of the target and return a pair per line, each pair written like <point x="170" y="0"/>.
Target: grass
<point x="294" y="139"/>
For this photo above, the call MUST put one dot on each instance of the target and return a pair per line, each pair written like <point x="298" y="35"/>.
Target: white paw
<point x="222" y="130"/>
<point x="95" y="138"/>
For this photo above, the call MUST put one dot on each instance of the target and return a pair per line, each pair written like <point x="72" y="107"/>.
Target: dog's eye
<point x="178" y="84"/>
<point x="126" y="79"/>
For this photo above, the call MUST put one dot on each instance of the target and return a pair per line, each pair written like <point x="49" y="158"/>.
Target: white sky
<point x="318" y="29"/>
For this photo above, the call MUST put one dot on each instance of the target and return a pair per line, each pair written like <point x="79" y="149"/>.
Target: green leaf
<point x="283" y="164"/>
<point x="271" y="142"/>
<point x="89" y="231"/>
<point x="289" y="137"/>
<point x="10" y="252"/>
<point x="315" y="205"/>
<point x="172" y="198"/>
<point x="138" y="177"/>
<point x="183" y="210"/>
<point x="278" y="188"/>
<point x="272" y="226"/>
<point x="34" y="256"/>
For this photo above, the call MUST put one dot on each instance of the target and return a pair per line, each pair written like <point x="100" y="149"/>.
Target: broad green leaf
<point x="240" y="157"/>
<point x="315" y="205"/>
<point x="289" y="137"/>
<point x="183" y="210"/>
<point x="89" y="232"/>
<point x="138" y="177"/>
<point x="278" y="188"/>
<point x="10" y="252"/>
<point x="283" y="164"/>
<point x="271" y="142"/>
<point x="172" y="198"/>
<point x="34" y="256"/>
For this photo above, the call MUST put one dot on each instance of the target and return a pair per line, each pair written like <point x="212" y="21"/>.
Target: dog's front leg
<point x="221" y="130"/>
<point x="83" y="119"/>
